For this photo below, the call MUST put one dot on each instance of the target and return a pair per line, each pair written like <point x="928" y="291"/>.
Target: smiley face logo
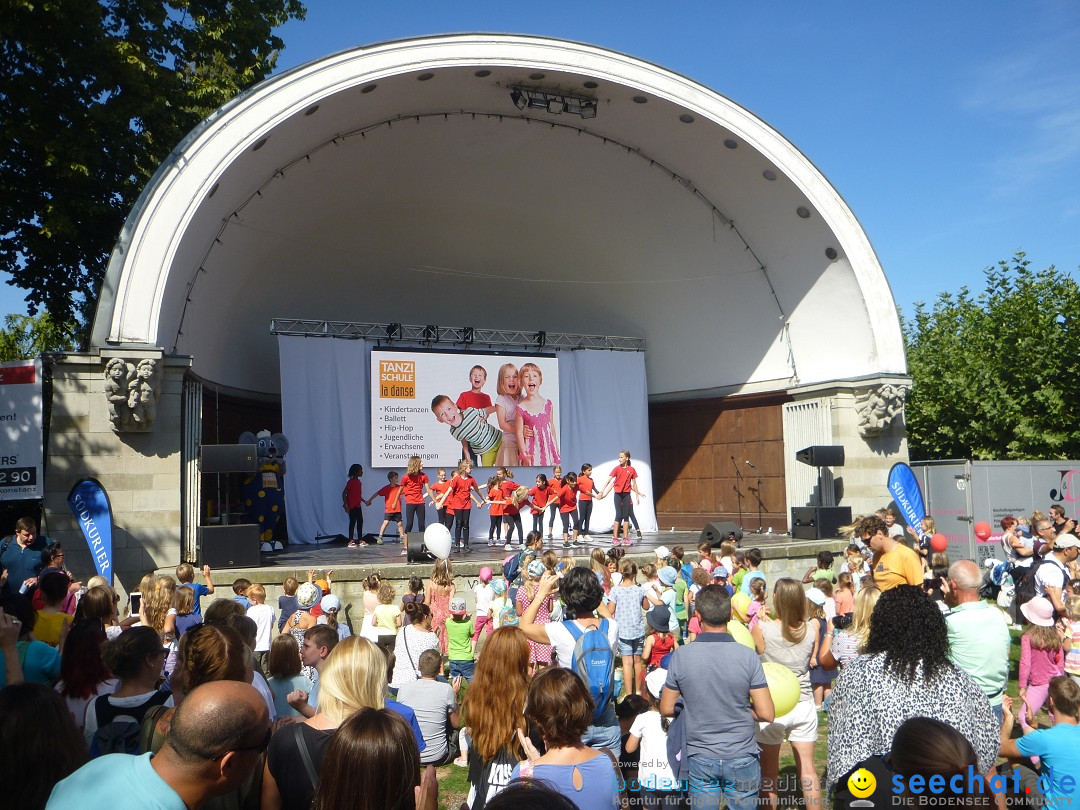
<point x="862" y="783"/>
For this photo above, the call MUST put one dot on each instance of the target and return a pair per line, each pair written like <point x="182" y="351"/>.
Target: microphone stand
<point x="738" y="492"/>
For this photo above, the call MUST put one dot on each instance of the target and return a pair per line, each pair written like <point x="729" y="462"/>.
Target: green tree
<point x="94" y="96"/>
<point x="24" y="337"/>
<point x="997" y="376"/>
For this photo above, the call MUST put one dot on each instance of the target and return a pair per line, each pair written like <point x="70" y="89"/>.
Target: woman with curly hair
<point x="904" y="672"/>
<point x="493" y="709"/>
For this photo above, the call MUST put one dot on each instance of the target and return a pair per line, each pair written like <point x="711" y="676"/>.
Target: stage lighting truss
<point x="526" y="98"/>
<point x="401" y="334"/>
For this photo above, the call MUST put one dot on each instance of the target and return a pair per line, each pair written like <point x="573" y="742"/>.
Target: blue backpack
<point x="512" y="567"/>
<point x="594" y="663"/>
<point x="686" y="573"/>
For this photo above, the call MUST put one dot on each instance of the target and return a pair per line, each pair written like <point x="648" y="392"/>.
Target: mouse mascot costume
<point x="264" y="491"/>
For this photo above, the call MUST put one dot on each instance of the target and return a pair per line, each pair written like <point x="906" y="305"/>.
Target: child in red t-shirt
<point x="459" y="497"/>
<point x="436" y="492"/>
<point x="624" y="479"/>
<point x="474" y="398"/>
<point x="391" y="495"/>
<point x="495" y="511"/>
<point x="413" y="487"/>
<point x="586" y="488"/>
<point x="539" y="496"/>
<point x="568" y="508"/>
<point x="351" y="498"/>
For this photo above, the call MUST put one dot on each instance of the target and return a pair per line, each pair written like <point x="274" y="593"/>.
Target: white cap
<point x="654" y="682"/>
<point x="330" y="602"/>
<point x="816" y="595"/>
<point x="662" y="551"/>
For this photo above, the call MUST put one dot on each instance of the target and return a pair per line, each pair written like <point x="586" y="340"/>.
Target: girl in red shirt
<point x="556" y="482"/>
<point x="511" y="508"/>
<point x="351" y="498"/>
<point x="436" y="492"/>
<point x="585" y="488"/>
<point x="413" y="486"/>
<point x="459" y="497"/>
<point x="495" y="512"/>
<point x="568" y="508"/>
<point x="624" y="479"/>
<point x="539" y="496"/>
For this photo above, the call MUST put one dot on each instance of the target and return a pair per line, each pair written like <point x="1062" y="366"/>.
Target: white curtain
<point x="325" y="400"/>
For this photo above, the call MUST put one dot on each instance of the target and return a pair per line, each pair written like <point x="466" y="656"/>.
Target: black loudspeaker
<point x="418" y="553"/>
<point x="818" y="522"/>
<point x="227" y="458"/>
<point x="822" y="455"/>
<point x="235" y="546"/>
<point x="717" y="532"/>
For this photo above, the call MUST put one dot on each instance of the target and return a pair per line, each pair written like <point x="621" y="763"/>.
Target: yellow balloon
<point x="740" y="606"/>
<point x="740" y="633"/>
<point x="783" y="687"/>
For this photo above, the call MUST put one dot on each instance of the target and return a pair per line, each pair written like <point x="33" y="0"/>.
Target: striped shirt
<point x="475" y="430"/>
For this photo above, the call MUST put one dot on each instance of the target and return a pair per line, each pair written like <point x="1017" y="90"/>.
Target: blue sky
<point x="951" y="129"/>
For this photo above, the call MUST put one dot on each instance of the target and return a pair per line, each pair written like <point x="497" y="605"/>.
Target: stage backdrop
<point x="326" y="401"/>
<point x="405" y="383"/>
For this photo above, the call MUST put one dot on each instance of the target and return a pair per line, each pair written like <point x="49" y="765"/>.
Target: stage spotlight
<point x="467" y="334"/>
<point x="555" y="105"/>
<point x="541" y="339"/>
<point x="393" y="331"/>
<point x="588" y="109"/>
<point x="537" y="103"/>
<point x="519" y="99"/>
<point x="431" y="334"/>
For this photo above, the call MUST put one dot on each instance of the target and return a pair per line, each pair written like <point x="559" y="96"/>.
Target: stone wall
<point x="141" y="471"/>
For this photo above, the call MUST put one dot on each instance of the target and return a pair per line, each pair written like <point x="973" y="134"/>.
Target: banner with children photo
<point x="499" y="410"/>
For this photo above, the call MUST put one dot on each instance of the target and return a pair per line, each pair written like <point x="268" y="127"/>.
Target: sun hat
<point x="1039" y="611"/>
<point x="330" y="602"/>
<point x="659" y="618"/>
<point x="654" y="682"/>
<point x="457" y="606"/>
<point x="667" y="575"/>
<point x="662" y="552"/>
<point x="308" y="595"/>
<point x="816" y="596"/>
<point x="536" y="569"/>
<point x="499" y="586"/>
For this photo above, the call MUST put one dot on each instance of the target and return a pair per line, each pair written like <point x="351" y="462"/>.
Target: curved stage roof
<point x="401" y="183"/>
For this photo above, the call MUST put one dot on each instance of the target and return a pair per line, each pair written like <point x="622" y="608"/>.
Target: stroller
<point x="998" y="583"/>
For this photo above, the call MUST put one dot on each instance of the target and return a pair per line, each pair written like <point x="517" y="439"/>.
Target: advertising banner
<point x="90" y="504"/>
<point x="20" y="431"/>
<point x="904" y="487"/>
<point x="502" y="410"/>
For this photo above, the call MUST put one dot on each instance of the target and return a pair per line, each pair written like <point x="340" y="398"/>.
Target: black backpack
<point x="118" y="727"/>
<point x="1025" y="591"/>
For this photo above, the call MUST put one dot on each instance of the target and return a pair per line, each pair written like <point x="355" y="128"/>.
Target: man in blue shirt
<point x="20" y="557"/>
<point x="213" y="745"/>
<point x="1057" y="747"/>
<point x="723" y="686"/>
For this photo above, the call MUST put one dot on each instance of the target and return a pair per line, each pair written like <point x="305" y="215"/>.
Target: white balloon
<point x="437" y="540"/>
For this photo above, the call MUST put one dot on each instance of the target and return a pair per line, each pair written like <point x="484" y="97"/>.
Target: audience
<point x="174" y="709"/>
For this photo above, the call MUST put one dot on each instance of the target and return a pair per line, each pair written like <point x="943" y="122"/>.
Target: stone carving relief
<point x="878" y="407"/>
<point x="132" y="392"/>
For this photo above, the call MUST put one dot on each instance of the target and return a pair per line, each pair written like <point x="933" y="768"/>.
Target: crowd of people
<point x="667" y="682"/>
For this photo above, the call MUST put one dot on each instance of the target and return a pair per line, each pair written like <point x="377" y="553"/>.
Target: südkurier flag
<point x="904" y="487"/>
<point x="90" y="504"/>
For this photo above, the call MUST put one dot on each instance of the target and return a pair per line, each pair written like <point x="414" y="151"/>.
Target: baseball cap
<point x="457" y="606"/>
<point x="654" y="682"/>
<point x="330" y="602"/>
<point x="667" y="575"/>
<point x="816" y="596"/>
<point x="499" y="586"/>
<point x="1066" y="540"/>
<point x="662" y="552"/>
<point x="324" y="586"/>
<point x="719" y="572"/>
<point x="536" y="569"/>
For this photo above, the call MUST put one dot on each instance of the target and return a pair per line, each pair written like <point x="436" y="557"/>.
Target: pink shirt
<point x="1038" y="667"/>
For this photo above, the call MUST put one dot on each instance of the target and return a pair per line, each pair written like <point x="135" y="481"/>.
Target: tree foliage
<point x="997" y="376"/>
<point x="24" y="337"/>
<point x="94" y="96"/>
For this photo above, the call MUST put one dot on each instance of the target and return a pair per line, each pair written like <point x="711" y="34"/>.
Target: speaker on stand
<point x="819" y="521"/>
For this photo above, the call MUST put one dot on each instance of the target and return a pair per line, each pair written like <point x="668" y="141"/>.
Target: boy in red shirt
<point x="474" y="398"/>
<point x="391" y="495"/>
